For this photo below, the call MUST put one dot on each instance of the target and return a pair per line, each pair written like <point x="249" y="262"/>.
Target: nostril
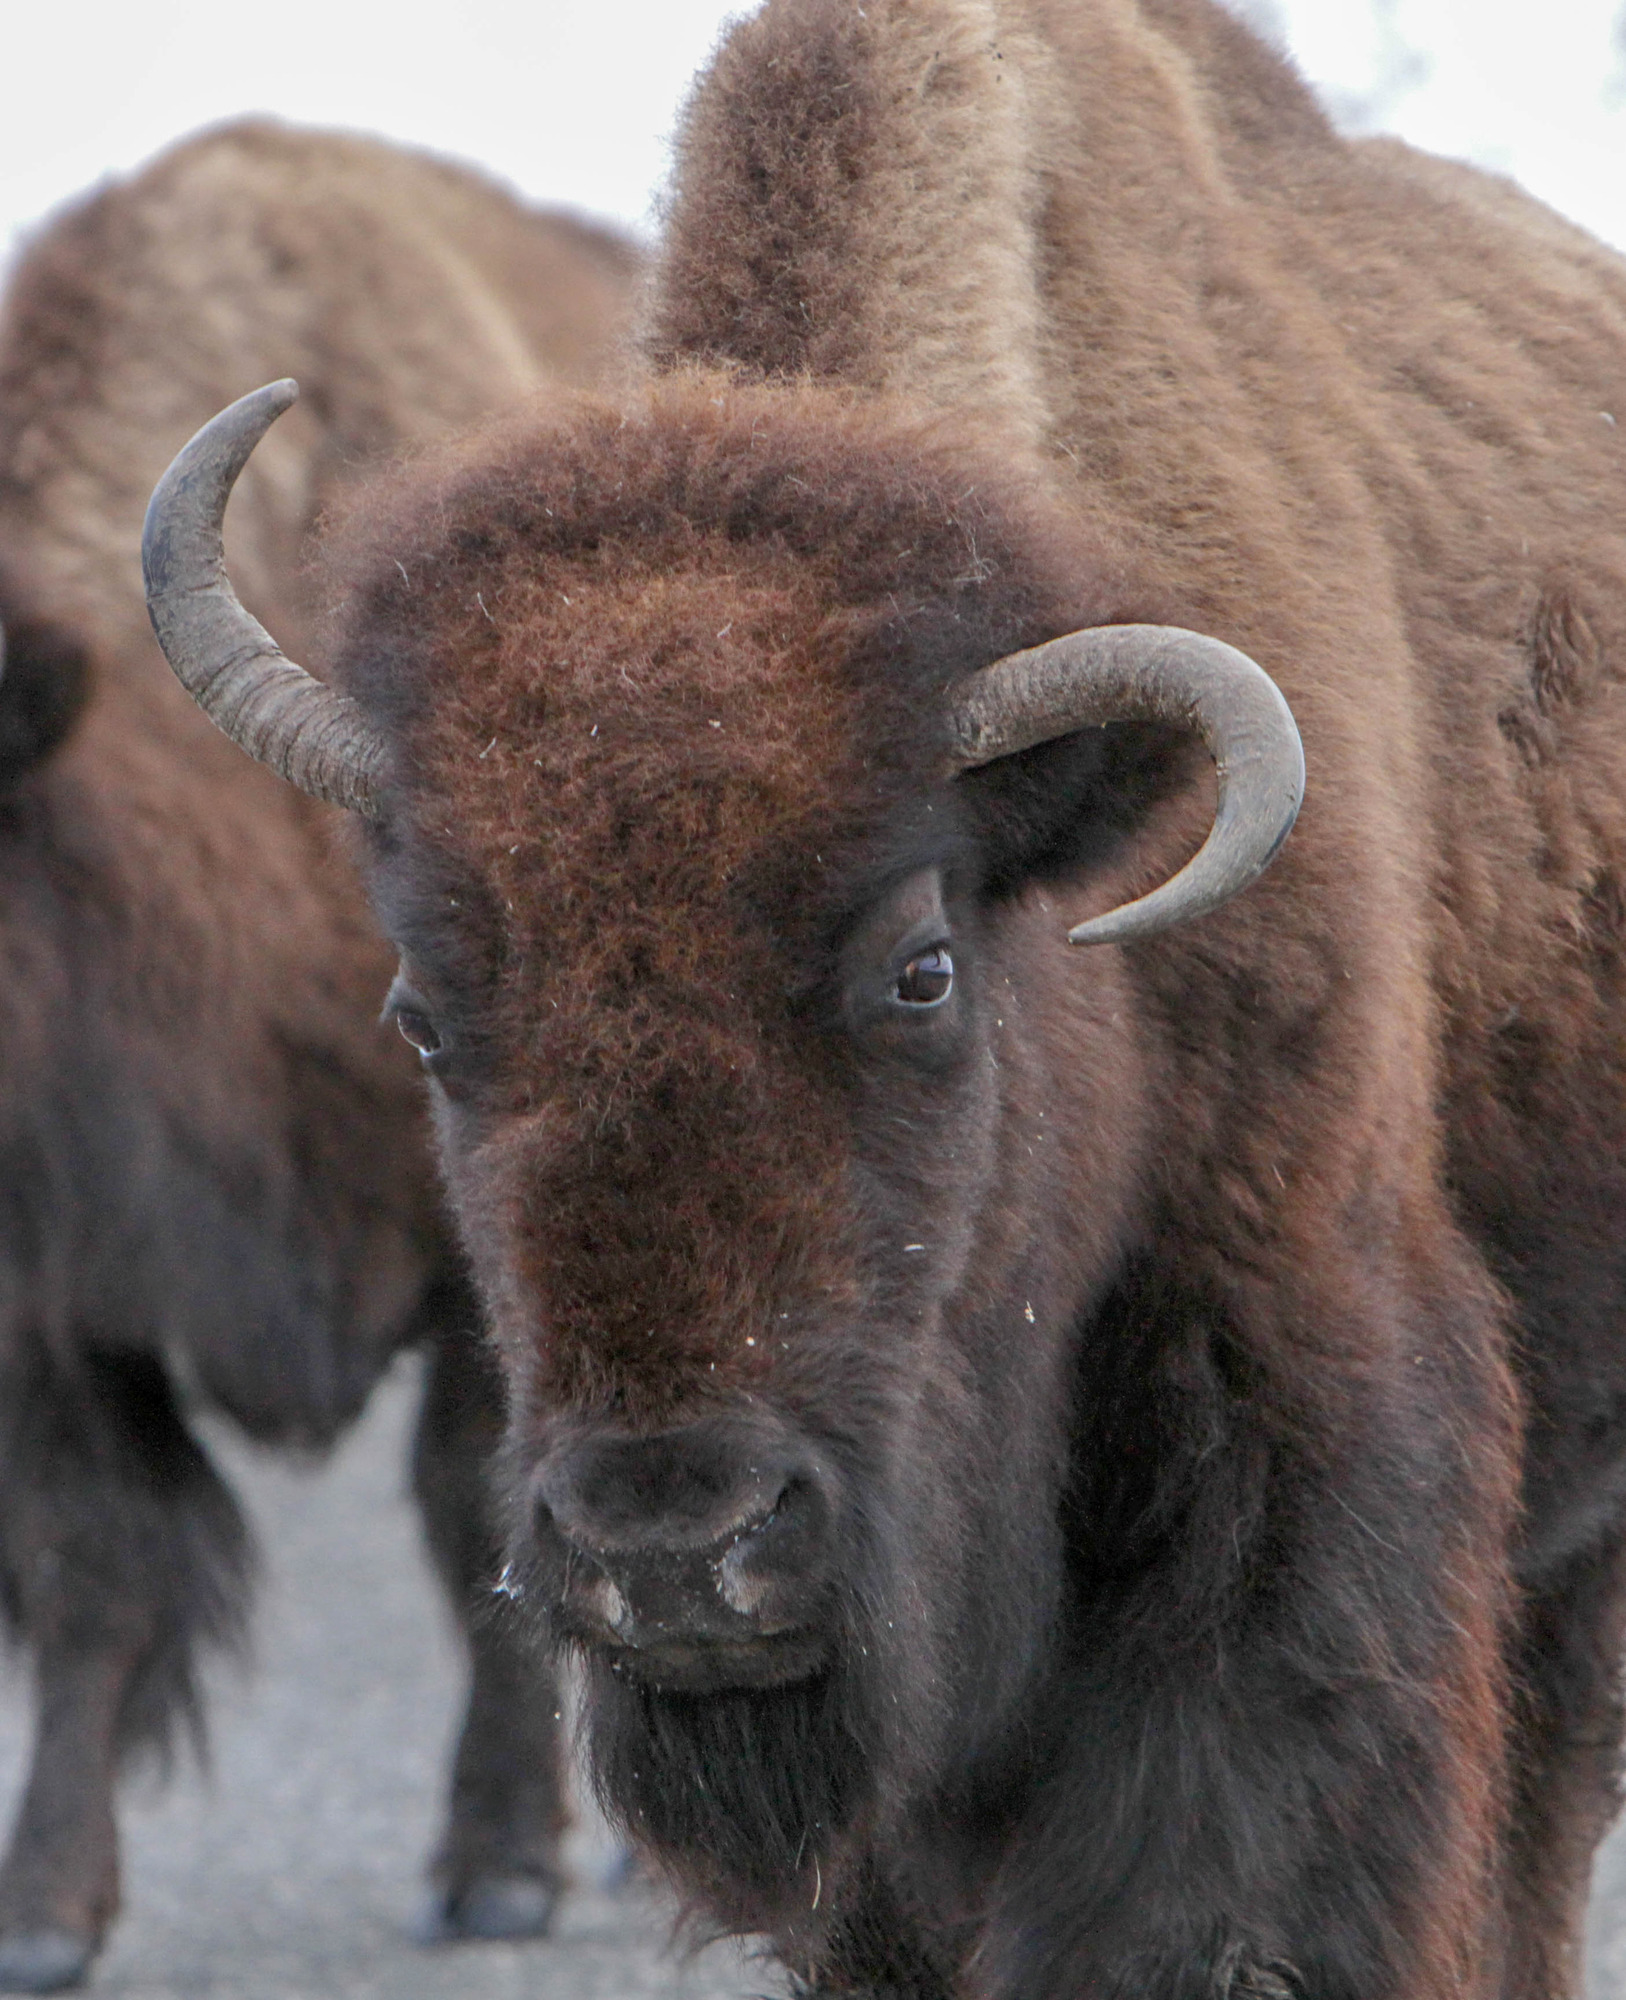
<point x="775" y="1560"/>
<point x="557" y="1511"/>
<point x="767" y="1521"/>
<point x="554" y="1539"/>
<point x="795" y="1509"/>
<point x="588" y="1589"/>
<point x="580" y="1579"/>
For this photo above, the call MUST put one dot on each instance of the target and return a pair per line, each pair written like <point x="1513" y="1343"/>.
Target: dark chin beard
<point x="738" y="1792"/>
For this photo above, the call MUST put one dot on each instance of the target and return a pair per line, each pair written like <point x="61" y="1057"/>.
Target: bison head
<point x="717" y="803"/>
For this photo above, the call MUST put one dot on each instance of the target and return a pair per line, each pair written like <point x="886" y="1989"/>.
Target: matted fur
<point x="1216" y="1342"/>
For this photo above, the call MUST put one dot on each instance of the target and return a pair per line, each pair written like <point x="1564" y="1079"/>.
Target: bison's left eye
<point x="927" y="979"/>
<point x="411" y="1015"/>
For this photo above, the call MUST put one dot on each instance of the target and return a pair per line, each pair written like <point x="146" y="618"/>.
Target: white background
<point x="573" y="103"/>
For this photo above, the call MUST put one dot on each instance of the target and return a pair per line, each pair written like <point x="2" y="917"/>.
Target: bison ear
<point x="1065" y="806"/>
<point x="44" y="685"/>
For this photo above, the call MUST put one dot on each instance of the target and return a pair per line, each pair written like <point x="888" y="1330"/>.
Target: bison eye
<point x="927" y="979"/>
<point x="410" y="1013"/>
<point x="418" y="1029"/>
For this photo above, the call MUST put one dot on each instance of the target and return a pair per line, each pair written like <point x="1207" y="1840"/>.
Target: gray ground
<point x="292" y="1873"/>
<point x="1606" y="1943"/>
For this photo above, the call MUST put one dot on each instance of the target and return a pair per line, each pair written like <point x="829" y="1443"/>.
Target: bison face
<point x="790" y="1143"/>
<point x="756" y="1183"/>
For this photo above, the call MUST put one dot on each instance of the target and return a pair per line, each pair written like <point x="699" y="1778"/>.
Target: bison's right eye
<point x="418" y="1029"/>
<point x="411" y="1015"/>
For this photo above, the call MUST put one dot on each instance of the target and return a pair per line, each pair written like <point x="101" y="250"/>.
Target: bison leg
<point x="119" y="1550"/>
<point x="1566" y="1777"/>
<point x="59" y="1882"/>
<point x="497" y="1871"/>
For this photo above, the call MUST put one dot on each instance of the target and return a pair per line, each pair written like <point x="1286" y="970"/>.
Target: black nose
<point x="698" y="1554"/>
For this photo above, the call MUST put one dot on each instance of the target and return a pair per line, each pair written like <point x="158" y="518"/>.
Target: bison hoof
<point x="490" y="1907"/>
<point x="45" y="1961"/>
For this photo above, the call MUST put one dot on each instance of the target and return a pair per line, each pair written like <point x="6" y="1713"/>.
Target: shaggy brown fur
<point x="213" y="1156"/>
<point x="1211" y="1351"/>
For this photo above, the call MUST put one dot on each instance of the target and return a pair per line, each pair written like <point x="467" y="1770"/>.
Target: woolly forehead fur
<point x="664" y="689"/>
<point x="719" y="586"/>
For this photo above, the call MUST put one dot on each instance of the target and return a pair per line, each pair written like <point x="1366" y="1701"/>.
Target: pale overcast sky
<point x="573" y="102"/>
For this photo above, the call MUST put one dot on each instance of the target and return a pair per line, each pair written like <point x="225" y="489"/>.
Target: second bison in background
<point x="1072" y="1475"/>
<point x="214" y="1177"/>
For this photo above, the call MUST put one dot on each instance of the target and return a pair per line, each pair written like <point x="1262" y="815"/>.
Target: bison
<point x="1072" y="1473"/>
<point x="216" y="1180"/>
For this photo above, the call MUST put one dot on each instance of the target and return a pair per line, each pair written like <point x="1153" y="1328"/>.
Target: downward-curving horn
<point x="1152" y="673"/>
<point x="309" y="734"/>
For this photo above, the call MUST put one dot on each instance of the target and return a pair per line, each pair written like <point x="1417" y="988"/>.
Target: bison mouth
<point x="711" y="1666"/>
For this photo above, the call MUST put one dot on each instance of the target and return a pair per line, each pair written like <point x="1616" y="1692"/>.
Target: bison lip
<point x="710" y="1666"/>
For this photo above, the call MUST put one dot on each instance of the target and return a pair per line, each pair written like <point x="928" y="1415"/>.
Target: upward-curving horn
<point x="1152" y="673"/>
<point x="233" y="669"/>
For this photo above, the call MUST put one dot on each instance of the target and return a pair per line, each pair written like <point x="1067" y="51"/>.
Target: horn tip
<point x="1095" y="930"/>
<point x="271" y="400"/>
<point x="261" y="406"/>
